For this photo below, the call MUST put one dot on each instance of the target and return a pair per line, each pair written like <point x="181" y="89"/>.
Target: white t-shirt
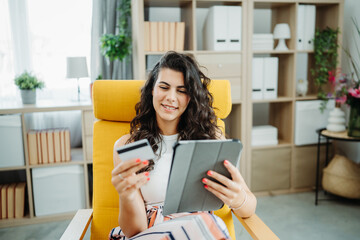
<point x="154" y="190"/>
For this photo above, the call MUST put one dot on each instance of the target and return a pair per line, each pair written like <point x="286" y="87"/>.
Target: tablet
<point x="190" y="163"/>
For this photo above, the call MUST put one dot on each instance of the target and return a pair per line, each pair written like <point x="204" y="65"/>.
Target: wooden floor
<point x="292" y="216"/>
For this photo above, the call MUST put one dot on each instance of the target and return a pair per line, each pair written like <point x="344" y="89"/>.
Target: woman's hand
<point x="125" y="179"/>
<point x="232" y="193"/>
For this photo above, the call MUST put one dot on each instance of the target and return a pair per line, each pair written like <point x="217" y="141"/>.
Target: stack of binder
<point x="12" y="198"/>
<point x="306" y="27"/>
<point x="265" y="135"/>
<point x="49" y="146"/>
<point x="222" y="28"/>
<point x="265" y="78"/>
<point x="164" y="36"/>
<point x="263" y="41"/>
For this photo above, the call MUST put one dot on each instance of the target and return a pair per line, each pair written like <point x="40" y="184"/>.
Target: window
<point x="6" y="54"/>
<point x="57" y="29"/>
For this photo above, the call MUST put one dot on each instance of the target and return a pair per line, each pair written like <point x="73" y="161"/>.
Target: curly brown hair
<point x="198" y="120"/>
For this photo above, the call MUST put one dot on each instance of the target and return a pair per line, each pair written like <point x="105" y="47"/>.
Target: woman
<point x="175" y="104"/>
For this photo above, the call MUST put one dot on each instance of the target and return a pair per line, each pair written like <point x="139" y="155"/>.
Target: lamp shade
<point x="76" y="67"/>
<point x="282" y="31"/>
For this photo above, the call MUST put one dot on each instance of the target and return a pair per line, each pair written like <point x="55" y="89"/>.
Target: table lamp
<point x="282" y="32"/>
<point x="76" y="68"/>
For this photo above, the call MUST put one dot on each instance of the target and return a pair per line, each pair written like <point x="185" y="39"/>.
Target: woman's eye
<point x="163" y="87"/>
<point x="183" y="91"/>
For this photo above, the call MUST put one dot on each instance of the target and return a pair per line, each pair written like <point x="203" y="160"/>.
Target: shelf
<point x="282" y="144"/>
<point x="3" y="169"/>
<point x="210" y="3"/>
<point x="310" y="97"/>
<point x="216" y="52"/>
<point x="162" y="53"/>
<point x="279" y="99"/>
<point x="76" y="159"/>
<point x="269" y="4"/>
<point x="273" y="52"/>
<point x="304" y="51"/>
<point x="258" y="16"/>
<point x="161" y="3"/>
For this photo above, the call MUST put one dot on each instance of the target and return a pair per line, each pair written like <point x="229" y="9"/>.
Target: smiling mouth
<point x="169" y="107"/>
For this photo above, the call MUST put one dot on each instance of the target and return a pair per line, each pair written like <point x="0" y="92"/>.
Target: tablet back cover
<point x="191" y="161"/>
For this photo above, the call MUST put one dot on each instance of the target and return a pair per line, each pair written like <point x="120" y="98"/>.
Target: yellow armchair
<point x="114" y="103"/>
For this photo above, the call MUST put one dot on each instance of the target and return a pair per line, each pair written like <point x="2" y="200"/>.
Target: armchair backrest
<point x="114" y="107"/>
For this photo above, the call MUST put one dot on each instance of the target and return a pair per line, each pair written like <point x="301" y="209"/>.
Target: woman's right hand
<point x="126" y="181"/>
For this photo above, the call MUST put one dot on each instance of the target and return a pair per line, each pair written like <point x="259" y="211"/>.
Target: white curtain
<point x="104" y="21"/>
<point x="20" y="35"/>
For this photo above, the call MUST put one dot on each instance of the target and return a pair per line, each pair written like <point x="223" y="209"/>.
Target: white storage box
<point x="264" y="135"/>
<point x="308" y="119"/>
<point x="11" y="141"/>
<point x="58" y="189"/>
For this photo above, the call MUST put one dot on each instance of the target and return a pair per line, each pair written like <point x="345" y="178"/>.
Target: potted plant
<point x="117" y="47"/>
<point x="28" y="83"/>
<point x="325" y="56"/>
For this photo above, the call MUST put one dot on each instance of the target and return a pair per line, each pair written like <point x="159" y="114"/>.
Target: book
<point x="257" y="78"/>
<point x="4" y="200"/>
<point x="10" y="201"/>
<point x="38" y="143"/>
<point x="171" y="35"/>
<point x="270" y="87"/>
<point x="190" y="163"/>
<point x="147" y="36"/>
<point x="32" y="147"/>
<point x="179" y="36"/>
<point x="57" y="146"/>
<point x="1" y="197"/>
<point x="166" y="36"/>
<point x="62" y="145"/>
<point x="44" y="147"/>
<point x="19" y="200"/>
<point x="160" y="36"/>
<point x="234" y="27"/>
<point x="215" y="30"/>
<point x="153" y="36"/>
<point x="50" y="144"/>
<point x="309" y="26"/>
<point x="67" y="145"/>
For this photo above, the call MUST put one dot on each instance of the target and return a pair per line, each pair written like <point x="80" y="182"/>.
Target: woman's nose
<point x="171" y="96"/>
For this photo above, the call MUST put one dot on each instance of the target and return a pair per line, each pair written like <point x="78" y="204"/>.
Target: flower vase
<point x="336" y="121"/>
<point x="354" y="120"/>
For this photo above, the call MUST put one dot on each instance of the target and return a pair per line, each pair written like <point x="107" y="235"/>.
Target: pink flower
<point x="331" y="77"/>
<point x="341" y="99"/>
<point x="354" y="92"/>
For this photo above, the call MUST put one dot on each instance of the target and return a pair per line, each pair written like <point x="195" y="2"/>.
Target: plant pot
<point x="28" y="96"/>
<point x="354" y="120"/>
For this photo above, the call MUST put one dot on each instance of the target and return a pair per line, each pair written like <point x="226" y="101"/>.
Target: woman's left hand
<point x="232" y="193"/>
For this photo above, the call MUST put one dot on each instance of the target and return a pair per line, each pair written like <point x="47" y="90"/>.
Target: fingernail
<point x="209" y="173"/>
<point x="148" y="179"/>
<point x="226" y="162"/>
<point x="138" y="160"/>
<point x="204" y="180"/>
<point x="206" y="186"/>
<point x="146" y="173"/>
<point x="145" y="162"/>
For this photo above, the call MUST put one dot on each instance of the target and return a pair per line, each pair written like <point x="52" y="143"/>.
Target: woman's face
<point x="170" y="97"/>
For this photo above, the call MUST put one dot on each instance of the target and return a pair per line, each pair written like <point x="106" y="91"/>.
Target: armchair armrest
<point x="257" y="228"/>
<point x="78" y="225"/>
